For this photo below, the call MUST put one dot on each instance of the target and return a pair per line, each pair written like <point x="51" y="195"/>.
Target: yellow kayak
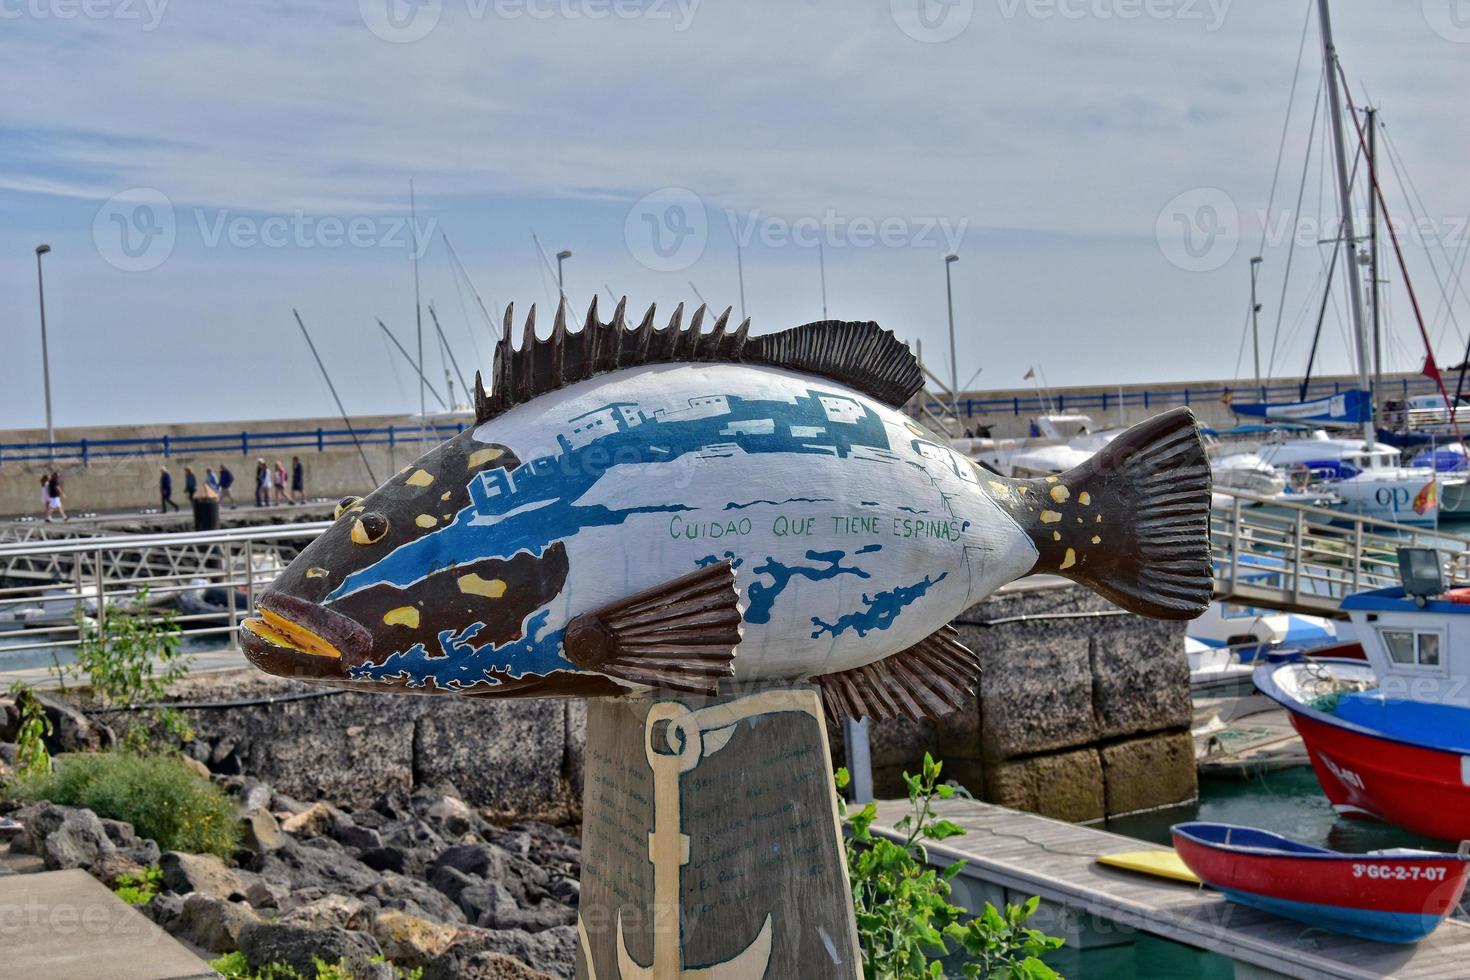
<point x="1160" y="864"/>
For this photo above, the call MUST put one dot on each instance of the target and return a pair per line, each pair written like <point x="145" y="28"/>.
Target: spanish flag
<point x="1428" y="498"/>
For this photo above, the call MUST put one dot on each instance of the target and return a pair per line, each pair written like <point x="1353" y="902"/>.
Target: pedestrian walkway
<point x="64" y="925"/>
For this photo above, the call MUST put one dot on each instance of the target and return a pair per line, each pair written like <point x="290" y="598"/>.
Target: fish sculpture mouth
<point x="293" y="636"/>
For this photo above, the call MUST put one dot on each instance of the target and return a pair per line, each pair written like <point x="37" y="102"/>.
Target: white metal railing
<point x="1297" y="556"/>
<point x="52" y="589"/>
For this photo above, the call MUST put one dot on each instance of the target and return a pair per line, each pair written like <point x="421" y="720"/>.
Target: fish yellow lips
<point x="281" y="632"/>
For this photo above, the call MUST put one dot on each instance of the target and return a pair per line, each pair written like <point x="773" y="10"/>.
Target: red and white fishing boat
<point x="1389" y="736"/>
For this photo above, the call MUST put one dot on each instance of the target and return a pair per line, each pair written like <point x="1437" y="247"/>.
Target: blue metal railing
<point x="245" y="443"/>
<point x="226" y="443"/>
<point x="1159" y="400"/>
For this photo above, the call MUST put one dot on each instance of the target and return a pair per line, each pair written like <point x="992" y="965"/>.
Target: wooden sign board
<point x="710" y="845"/>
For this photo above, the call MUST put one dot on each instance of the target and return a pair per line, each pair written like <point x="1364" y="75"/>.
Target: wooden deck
<point x="1030" y="855"/>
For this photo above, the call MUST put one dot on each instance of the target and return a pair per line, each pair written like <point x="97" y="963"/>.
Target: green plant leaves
<point x="904" y="918"/>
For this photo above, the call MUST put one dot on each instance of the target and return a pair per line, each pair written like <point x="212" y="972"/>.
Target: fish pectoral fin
<point x="680" y="635"/>
<point x="932" y="678"/>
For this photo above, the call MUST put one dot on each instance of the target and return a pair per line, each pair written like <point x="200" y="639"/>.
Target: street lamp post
<point x="1255" y="328"/>
<point x="45" y="356"/>
<point x="561" y="257"/>
<point x="954" y="371"/>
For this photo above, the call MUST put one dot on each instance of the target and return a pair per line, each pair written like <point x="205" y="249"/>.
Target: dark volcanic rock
<point x="266" y="942"/>
<point x="320" y="862"/>
<point x="450" y="881"/>
<point x="553" y="951"/>
<point x="413" y="895"/>
<point x="362" y="838"/>
<point x="485" y="966"/>
<point x="212" y="923"/>
<point x="403" y="860"/>
<point x="203" y="873"/>
<point x="62" y="836"/>
<point x="492" y="906"/>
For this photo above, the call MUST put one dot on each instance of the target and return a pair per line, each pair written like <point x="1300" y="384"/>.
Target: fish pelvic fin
<point x="1133" y="522"/>
<point x="934" y="677"/>
<point x="680" y="635"/>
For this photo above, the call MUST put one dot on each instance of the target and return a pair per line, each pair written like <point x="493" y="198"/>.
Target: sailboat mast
<point x="418" y="310"/>
<point x="1345" y="203"/>
<point x="1371" y="117"/>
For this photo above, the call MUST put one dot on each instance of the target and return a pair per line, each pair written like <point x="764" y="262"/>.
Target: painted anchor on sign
<point x="677" y="739"/>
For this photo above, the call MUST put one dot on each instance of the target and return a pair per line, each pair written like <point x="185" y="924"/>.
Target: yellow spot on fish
<point x="1056" y="535"/>
<point x="1051" y="479"/>
<point x="1069" y="560"/>
<point x="480" y="457"/>
<point x="472" y="584"/>
<point x="445" y="495"/>
<point x="1050" y="517"/>
<point x="402" y="616"/>
<point x="426" y="520"/>
<point x="1060" y="494"/>
<point x="999" y="488"/>
<point x="419" y="478"/>
<point x="1098" y="520"/>
<point x="1079" y="520"/>
<point x="1084" y="498"/>
<point x="316" y="572"/>
<point x="1096" y="539"/>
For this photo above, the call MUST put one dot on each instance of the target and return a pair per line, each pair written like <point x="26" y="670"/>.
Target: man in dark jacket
<point x="226" y="480"/>
<point x="191" y="482"/>
<point x="166" y="489"/>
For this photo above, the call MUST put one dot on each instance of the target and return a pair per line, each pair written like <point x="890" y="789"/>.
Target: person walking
<point x="54" y="495"/>
<point x="226" y="480"/>
<point x="278" y="481"/>
<point x="166" y="489"/>
<point x="262" y="483"/>
<point x="191" y="482"/>
<point x="211" y="481"/>
<point x="46" y="495"/>
<point x="298" y="481"/>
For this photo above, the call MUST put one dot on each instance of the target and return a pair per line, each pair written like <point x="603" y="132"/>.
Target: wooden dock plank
<point x="1034" y="855"/>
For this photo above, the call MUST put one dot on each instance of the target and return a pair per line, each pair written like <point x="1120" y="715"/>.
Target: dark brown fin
<point x="680" y="635"/>
<point x="1133" y="522"/>
<point x="930" y="679"/>
<point x="861" y="355"/>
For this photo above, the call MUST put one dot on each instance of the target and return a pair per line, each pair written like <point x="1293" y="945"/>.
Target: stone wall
<point x="1081" y="713"/>
<point x="520" y="758"/>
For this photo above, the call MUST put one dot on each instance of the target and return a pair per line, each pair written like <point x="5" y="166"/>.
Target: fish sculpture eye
<point x="369" y="528"/>
<point x="344" y="505"/>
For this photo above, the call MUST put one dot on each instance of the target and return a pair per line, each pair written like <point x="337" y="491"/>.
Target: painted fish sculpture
<point x="669" y="508"/>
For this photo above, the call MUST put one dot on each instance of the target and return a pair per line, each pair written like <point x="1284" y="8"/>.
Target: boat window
<point x="1412" y="648"/>
<point x="1400" y="646"/>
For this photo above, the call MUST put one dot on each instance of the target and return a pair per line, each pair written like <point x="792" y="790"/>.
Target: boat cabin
<point x="1418" y="647"/>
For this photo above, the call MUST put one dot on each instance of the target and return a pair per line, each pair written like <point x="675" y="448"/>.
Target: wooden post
<point x="710" y="841"/>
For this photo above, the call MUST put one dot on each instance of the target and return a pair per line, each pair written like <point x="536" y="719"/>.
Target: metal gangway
<point x="1301" y="558"/>
<point x="52" y="591"/>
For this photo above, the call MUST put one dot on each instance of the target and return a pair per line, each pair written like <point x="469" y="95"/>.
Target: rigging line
<point x="450" y="350"/>
<point x="1398" y="251"/>
<point x="464" y="310"/>
<point x="328" y="379"/>
<point x="490" y="320"/>
<point x="1296" y="74"/>
<point x="1406" y="183"/>
<point x="542" y="267"/>
<point x="1296" y="217"/>
<point x="417" y="370"/>
<point x="1316" y="334"/>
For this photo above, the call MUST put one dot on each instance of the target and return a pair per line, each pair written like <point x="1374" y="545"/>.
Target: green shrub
<point x="139" y="889"/>
<point x="232" y="966"/>
<point x="904" y="918"/>
<point x="32" y="759"/>
<point x="159" y="795"/>
<point x="132" y="658"/>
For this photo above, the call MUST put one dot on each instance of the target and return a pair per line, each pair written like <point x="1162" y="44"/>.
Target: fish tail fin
<point x="1133" y="522"/>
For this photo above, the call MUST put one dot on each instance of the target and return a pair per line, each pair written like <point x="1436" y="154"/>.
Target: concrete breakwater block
<point x="710" y="841"/>
<point x="64" y="925"/>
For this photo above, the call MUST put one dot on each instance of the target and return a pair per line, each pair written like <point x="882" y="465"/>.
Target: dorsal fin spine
<point x="860" y="355"/>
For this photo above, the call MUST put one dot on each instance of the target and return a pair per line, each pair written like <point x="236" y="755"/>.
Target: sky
<point x="1102" y="169"/>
